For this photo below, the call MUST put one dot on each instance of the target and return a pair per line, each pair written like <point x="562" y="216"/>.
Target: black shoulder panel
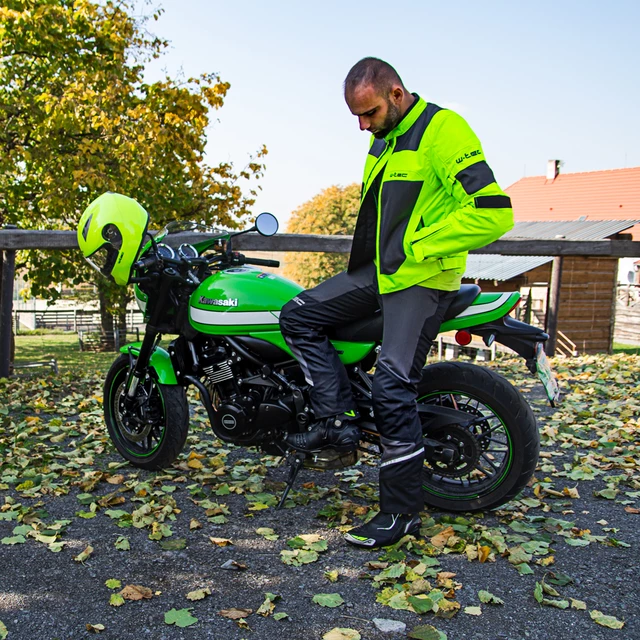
<point x="377" y="148"/>
<point x="475" y="177"/>
<point x="410" y="141"/>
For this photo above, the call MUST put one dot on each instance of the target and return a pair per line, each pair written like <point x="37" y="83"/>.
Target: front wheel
<point x="487" y="463"/>
<point x="152" y="434"/>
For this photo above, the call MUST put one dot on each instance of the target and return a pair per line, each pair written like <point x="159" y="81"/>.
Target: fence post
<point x="554" y="305"/>
<point x="6" y="309"/>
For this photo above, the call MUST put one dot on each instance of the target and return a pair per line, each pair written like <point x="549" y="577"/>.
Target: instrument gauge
<point x="166" y="252"/>
<point x="187" y="251"/>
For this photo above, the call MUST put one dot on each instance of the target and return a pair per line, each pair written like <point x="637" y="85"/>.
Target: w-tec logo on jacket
<point x="466" y="156"/>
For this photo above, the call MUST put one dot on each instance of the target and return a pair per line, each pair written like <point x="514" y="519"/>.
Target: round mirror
<point x="266" y="224"/>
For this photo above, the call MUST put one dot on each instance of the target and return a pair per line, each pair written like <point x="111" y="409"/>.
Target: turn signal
<point x="463" y="337"/>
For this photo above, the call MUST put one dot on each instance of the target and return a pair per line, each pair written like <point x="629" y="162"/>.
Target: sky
<point x="536" y="81"/>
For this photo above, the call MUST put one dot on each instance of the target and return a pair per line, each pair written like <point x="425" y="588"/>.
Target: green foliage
<point x="332" y="212"/>
<point x="77" y="119"/>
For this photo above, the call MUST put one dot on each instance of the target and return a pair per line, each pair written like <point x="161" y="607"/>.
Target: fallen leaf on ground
<point x="340" y="633"/>
<point x="328" y="599"/>
<point x="427" y="632"/>
<point x="488" y="598"/>
<point x="267" y="607"/>
<point x="116" y="600"/>
<point x="235" y="614"/>
<point x="199" y="594"/>
<point x="440" y="540"/>
<point x="180" y="617"/>
<point x="84" y="555"/>
<point x="136" y="592"/>
<point x="221" y="542"/>
<point x="95" y="628"/>
<point x="606" y="621"/>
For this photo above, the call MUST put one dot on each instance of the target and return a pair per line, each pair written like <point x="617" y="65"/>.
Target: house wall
<point x="587" y="299"/>
<point x="587" y="302"/>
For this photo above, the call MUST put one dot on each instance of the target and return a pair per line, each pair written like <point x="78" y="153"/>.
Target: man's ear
<point x="396" y="95"/>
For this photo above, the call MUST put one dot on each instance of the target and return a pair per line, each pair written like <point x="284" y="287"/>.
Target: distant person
<point x="428" y="197"/>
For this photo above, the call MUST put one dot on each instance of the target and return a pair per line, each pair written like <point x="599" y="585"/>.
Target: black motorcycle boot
<point x="337" y="432"/>
<point x="384" y="529"/>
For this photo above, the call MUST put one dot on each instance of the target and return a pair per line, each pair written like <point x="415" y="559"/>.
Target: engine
<point x="246" y="409"/>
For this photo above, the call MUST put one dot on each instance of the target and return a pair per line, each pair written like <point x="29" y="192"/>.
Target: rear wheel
<point x="152" y="434"/>
<point x="487" y="463"/>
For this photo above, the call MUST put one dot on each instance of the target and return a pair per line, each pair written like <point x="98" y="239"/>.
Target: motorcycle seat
<point x="369" y="329"/>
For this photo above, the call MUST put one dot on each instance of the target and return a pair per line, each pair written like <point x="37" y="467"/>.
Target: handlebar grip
<point x="145" y="262"/>
<point x="262" y="263"/>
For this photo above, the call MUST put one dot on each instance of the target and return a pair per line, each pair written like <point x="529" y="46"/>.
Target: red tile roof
<point x="594" y="195"/>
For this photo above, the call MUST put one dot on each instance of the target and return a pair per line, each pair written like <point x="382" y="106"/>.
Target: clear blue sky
<point x="536" y="80"/>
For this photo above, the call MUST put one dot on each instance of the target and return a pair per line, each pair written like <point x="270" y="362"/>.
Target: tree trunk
<point x="106" y="323"/>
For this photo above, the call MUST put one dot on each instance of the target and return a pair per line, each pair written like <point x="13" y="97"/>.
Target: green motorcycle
<point x="480" y="436"/>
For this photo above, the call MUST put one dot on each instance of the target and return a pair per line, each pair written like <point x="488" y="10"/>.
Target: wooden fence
<point x="627" y="328"/>
<point x="12" y="239"/>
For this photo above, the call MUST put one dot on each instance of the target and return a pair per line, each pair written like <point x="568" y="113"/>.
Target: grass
<point x="65" y="348"/>
<point x="631" y="349"/>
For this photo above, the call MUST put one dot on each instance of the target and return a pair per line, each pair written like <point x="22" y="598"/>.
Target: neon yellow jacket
<point x="428" y="198"/>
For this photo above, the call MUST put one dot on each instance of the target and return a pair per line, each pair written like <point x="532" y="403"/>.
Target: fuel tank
<point x="244" y="301"/>
<point x="240" y="301"/>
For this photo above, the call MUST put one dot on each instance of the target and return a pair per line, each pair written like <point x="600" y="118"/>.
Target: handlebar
<point x="262" y="263"/>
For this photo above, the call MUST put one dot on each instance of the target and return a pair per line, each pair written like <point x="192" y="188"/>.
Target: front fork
<point x="149" y="343"/>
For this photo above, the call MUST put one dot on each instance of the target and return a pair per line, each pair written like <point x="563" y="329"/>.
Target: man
<point x="428" y="197"/>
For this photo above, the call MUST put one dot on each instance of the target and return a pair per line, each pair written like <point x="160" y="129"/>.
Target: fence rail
<point x="17" y="239"/>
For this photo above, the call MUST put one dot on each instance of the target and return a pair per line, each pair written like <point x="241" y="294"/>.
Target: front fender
<point x="160" y="362"/>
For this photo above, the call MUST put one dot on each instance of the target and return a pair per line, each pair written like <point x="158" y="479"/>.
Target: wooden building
<point x="587" y="300"/>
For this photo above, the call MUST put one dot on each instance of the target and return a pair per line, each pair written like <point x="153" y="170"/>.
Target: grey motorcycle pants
<point x="412" y="319"/>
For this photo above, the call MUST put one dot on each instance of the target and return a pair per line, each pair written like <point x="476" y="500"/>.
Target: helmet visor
<point x="104" y="259"/>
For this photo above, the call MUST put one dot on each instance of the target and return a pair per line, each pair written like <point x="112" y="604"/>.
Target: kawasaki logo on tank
<point x="219" y="303"/>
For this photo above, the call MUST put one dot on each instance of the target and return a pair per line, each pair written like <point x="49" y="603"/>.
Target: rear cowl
<point x="240" y="300"/>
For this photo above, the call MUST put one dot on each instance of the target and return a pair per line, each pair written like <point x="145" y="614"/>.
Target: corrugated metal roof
<point x="570" y="230"/>
<point x="489" y="266"/>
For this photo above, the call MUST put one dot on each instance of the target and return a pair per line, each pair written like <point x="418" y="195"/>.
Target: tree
<point x="77" y="119"/>
<point x="333" y="212"/>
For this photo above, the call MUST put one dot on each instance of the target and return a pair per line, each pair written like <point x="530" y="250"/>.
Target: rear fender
<point x="160" y="362"/>
<point x="519" y="336"/>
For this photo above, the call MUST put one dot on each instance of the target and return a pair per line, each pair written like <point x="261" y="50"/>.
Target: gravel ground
<point x="48" y="595"/>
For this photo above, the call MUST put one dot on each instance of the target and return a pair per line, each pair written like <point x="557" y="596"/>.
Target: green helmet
<point x="110" y="235"/>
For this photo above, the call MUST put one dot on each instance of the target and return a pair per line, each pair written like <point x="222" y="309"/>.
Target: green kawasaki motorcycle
<point x="480" y="436"/>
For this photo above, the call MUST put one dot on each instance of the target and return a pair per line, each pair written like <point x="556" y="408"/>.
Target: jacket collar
<point x="408" y="119"/>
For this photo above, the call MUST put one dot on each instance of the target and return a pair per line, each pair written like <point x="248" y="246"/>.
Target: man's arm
<point x="484" y="213"/>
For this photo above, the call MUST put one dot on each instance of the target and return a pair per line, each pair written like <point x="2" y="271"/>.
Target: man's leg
<point x="303" y="322"/>
<point x="412" y="319"/>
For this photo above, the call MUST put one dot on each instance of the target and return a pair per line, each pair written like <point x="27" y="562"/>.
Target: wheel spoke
<point x="489" y="461"/>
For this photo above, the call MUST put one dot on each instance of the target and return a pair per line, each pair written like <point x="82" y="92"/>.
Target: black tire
<point x="163" y="432"/>
<point x="506" y="442"/>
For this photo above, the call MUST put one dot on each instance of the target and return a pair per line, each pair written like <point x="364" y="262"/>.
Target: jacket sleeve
<point x="483" y="211"/>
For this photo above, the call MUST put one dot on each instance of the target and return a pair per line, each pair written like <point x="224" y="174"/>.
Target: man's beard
<point x="390" y="122"/>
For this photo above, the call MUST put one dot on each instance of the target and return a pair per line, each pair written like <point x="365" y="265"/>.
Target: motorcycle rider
<point x="428" y="197"/>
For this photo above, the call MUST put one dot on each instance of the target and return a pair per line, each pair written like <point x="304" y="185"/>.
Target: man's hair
<point x="372" y="71"/>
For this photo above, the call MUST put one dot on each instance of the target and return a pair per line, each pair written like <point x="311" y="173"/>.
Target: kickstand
<point x="295" y="465"/>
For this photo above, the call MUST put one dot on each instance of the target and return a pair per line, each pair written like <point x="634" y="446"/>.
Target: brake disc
<point x="134" y="428"/>
<point x="466" y="452"/>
